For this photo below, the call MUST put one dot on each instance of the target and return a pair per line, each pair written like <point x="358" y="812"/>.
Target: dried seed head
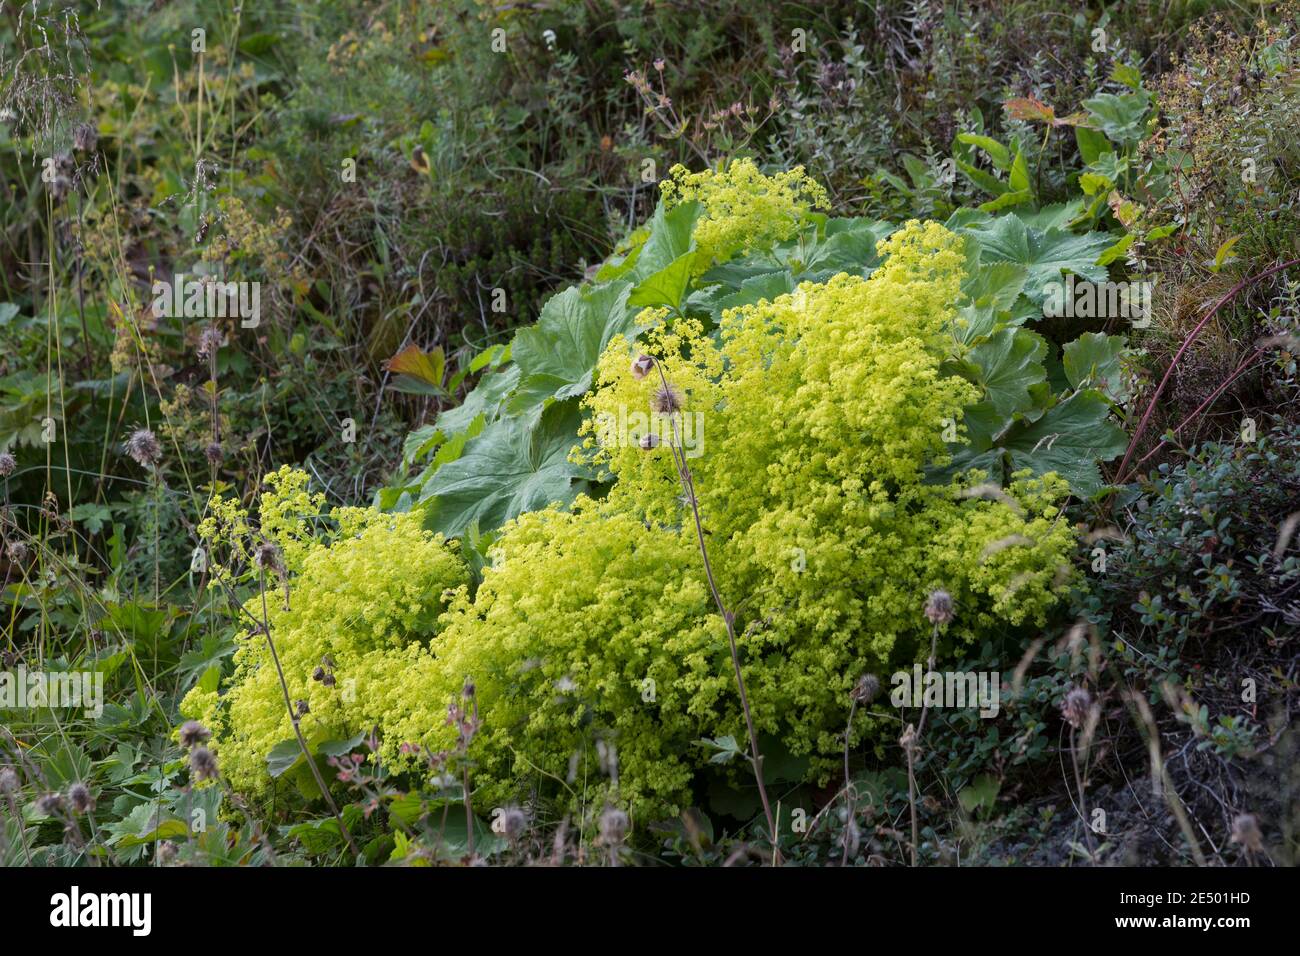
<point x="213" y="453"/>
<point x="649" y="441"/>
<point x="908" y="740"/>
<point x="203" y="764"/>
<point x="468" y="690"/>
<point x="514" y="822"/>
<point x="8" y="780"/>
<point x="51" y="804"/>
<point x="866" y="689"/>
<point x="1245" y="833"/>
<point x="80" y="798"/>
<point x="666" y="400"/>
<point x="642" y="366"/>
<point x="938" y="607"/>
<point x="18" y="552"/>
<point x="318" y="674"/>
<point x="7" y="464"/>
<point x="613" y="826"/>
<point x="209" y="342"/>
<point x="1075" y="707"/>
<point x="267" y="556"/>
<point x="303" y="708"/>
<point x="143" y="448"/>
<point x="85" y="138"/>
<point x="328" y="680"/>
<point x="166" y="852"/>
<point x="193" y="733"/>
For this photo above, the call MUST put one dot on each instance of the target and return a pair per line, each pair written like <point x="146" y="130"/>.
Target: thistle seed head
<point x="666" y="400"/>
<point x="1075" y="707"/>
<point x="514" y="822"/>
<point x="143" y="448"/>
<point x="85" y="138"/>
<point x="866" y="689"/>
<point x="938" y="607"/>
<point x="267" y="556"/>
<point x="80" y="798"/>
<point x="908" y="739"/>
<point x="203" y="764"/>
<point x="59" y="188"/>
<point x="1245" y="833"/>
<point x="193" y="733"/>
<point x="209" y="343"/>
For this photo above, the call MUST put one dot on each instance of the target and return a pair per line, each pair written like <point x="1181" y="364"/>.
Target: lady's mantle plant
<point x="825" y="411"/>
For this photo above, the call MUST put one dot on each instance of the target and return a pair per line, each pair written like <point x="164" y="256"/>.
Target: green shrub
<point x="821" y="412"/>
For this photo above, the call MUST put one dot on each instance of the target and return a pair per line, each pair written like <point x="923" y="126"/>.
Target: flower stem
<point x="728" y="618"/>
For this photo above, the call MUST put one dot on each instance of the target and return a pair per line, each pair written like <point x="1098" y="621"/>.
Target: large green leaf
<point x="670" y="238"/>
<point x="751" y="291"/>
<point x="1093" y="359"/>
<point x="1045" y="254"/>
<point x="848" y="245"/>
<point x="996" y="285"/>
<point x="999" y="154"/>
<point x="984" y="180"/>
<point x="1005" y="366"/>
<point x="1091" y="143"/>
<point x="1070" y="439"/>
<point x="517" y="464"/>
<point x="556" y="357"/>
<point x="817" y="254"/>
<point x="487" y="399"/>
<point x="665" y="287"/>
<point x="1057" y="216"/>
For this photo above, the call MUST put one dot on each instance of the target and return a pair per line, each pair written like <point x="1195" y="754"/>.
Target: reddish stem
<point x="1227" y="382"/>
<point x="1122" y="473"/>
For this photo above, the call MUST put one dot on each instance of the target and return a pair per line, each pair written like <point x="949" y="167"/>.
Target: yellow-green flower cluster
<point x="743" y="210"/>
<point x="591" y="631"/>
<point x="364" y="596"/>
<point x="815" y="438"/>
<point x="820" y="412"/>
